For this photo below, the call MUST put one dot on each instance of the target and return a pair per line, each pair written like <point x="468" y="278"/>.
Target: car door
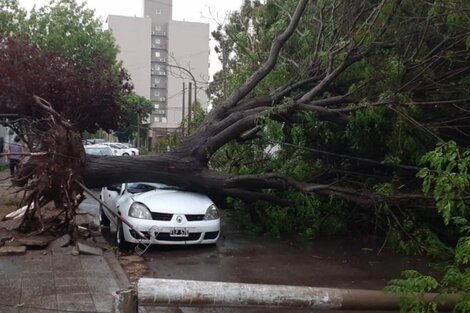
<point x="110" y="196"/>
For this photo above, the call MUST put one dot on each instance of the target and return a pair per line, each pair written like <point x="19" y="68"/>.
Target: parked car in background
<point x="119" y="149"/>
<point x="98" y="150"/>
<point x="93" y="141"/>
<point x="133" y="149"/>
<point x="164" y="214"/>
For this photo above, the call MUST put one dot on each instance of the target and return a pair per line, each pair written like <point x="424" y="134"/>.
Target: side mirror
<point x="116" y="188"/>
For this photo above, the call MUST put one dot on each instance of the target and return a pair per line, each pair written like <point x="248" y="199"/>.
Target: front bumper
<point x="159" y="232"/>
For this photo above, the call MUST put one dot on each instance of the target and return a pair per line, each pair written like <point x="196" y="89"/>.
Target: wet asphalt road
<point x="238" y="257"/>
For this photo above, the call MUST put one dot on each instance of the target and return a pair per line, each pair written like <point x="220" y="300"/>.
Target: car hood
<point x="174" y="201"/>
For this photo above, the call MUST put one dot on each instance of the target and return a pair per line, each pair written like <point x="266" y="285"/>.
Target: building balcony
<point x="159" y="46"/>
<point x="159" y="33"/>
<point x="158" y="73"/>
<point x="160" y="60"/>
<point x="158" y="100"/>
<point x="159" y="86"/>
<point x="159" y="112"/>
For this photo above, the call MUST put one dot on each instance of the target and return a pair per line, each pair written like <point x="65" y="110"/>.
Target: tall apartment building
<point x="160" y="54"/>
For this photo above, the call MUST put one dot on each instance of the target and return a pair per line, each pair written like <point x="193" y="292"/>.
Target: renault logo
<point x="179" y="218"/>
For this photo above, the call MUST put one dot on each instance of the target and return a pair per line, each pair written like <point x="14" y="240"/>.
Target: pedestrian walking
<point x="15" y="150"/>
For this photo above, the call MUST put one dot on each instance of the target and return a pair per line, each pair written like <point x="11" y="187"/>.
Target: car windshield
<point x="144" y="187"/>
<point x="98" y="151"/>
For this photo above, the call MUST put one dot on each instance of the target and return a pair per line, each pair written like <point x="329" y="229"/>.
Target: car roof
<point x="97" y="146"/>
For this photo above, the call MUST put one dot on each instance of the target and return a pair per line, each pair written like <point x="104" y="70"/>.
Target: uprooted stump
<point x="51" y="174"/>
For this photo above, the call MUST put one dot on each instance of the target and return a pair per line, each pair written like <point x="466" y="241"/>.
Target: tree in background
<point x="137" y="109"/>
<point x="62" y="35"/>
<point x="58" y="71"/>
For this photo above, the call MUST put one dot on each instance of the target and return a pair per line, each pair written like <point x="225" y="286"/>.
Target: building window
<point x="163" y="119"/>
<point x="158" y="27"/>
<point x="158" y="41"/>
<point x="157" y="54"/>
<point x="157" y="93"/>
<point x="158" y="11"/>
<point x="156" y="106"/>
<point x="156" y="119"/>
<point x="157" y="81"/>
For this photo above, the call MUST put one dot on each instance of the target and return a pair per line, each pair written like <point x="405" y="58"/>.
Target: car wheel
<point x="125" y="154"/>
<point x="133" y="153"/>
<point x="120" y="240"/>
<point x="104" y="220"/>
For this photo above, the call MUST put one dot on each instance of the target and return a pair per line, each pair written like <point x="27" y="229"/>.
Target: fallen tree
<point x="364" y="35"/>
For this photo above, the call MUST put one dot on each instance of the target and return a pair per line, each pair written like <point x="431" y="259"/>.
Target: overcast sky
<point x="205" y="11"/>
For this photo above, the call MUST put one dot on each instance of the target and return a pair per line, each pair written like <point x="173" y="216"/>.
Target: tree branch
<point x="272" y="59"/>
<point x="350" y="59"/>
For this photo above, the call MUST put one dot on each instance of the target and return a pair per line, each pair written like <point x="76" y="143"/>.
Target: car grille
<point x="166" y="237"/>
<point x="161" y="216"/>
<point x="194" y="217"/>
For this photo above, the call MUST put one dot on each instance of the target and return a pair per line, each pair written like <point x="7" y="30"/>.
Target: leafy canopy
<point x="61" y="53"/>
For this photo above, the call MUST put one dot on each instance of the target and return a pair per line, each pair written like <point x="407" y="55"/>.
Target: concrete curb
<point x="118" y="272"/>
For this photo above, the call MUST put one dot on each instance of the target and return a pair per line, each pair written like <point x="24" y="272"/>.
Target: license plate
<point x="179" y="232"/>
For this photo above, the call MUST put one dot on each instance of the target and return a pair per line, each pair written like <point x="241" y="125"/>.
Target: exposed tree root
<point x="50" y="177"/>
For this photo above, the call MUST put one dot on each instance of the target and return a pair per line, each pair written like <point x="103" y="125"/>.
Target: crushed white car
<point x="164" y="214"/>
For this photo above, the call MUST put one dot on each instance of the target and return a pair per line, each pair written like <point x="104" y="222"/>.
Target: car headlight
<point x="139" y="210"/>
<point x="211" y="213"/>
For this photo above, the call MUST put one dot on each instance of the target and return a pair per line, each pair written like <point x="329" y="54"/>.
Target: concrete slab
<point x="11" y="295"/>
<point x="77" y="302"/>
<point x="35" y="241"/>
<point x="88" y="249"/>
<point x="60" y="242"/>
<point x="5" y="235"/>
<point x="37" y="262"/>
<point x="66" y="262"/>
<point x="12" y="250"/>
<point x="40" y="302"/>
<point x="87" y="220"/>
<point x="10" y="309"/>
<point x="10" y="224"/>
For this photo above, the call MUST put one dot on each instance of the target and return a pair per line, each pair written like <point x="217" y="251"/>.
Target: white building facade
<point x="160" y="55"/>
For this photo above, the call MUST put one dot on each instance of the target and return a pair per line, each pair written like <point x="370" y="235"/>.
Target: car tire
<point x="125" y="154"/>
<point x="120" y="239"/>
<point x="104" y="220"/>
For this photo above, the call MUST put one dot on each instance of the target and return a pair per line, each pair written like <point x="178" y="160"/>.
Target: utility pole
<point x="183" y="116"/>
<point x="190" y="112"/>
<point x="138" y="127"/>
<point x="190" y="74"/>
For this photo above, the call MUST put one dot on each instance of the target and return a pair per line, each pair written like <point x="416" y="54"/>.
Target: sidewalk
<point x="45" y="281"/>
